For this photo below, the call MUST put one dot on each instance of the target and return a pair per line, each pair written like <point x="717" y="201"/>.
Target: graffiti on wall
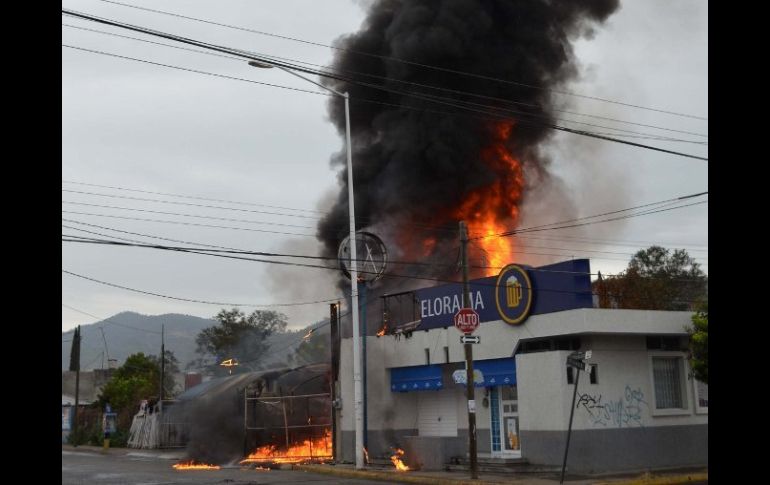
<point x="626" y="410"/>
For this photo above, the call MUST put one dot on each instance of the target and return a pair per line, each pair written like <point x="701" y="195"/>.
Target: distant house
<point x="91" y="384"/>
<point x="67" y="407"/>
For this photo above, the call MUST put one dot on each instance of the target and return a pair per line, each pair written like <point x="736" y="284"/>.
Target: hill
<point x="128" y="332"/>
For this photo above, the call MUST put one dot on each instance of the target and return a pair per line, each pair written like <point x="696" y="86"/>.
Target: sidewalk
<point x="459" y="478"/>
<point x="165" y="454"/>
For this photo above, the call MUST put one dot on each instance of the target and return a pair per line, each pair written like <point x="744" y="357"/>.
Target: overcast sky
<point x="138" y="126"/>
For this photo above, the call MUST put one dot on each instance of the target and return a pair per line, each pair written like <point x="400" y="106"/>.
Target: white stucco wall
<point x="620" y="352"/>
<point x="499" y="339"/>
<point x="622" y="396"/>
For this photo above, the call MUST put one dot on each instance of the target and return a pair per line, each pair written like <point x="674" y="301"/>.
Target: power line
<point x="190" y="204"/>
<point x="193" y="300"/>
<point x="262" y="253"/>
<point x="543" y="227"/>
<point x="454" y="91"/>
<point x="429" y="98"/>
<point x="247" y="221"/>
<point x="187" y="223"/>
<point x="194" y="70"/>
<point x="390" y="58"/>
<point x="433" y="99"/>
<point x="189" y="197"/>
<point x="203" y="252"/>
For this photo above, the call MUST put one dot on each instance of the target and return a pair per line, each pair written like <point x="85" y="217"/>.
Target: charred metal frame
<point x="399" y="328"/>
<point x="282" y="400"/>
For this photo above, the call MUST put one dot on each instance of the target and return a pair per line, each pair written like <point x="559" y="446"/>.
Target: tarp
<point x="416" y="378"/>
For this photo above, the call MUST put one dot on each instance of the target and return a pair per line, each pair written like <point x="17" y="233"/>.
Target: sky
<point x="133" y="131"/>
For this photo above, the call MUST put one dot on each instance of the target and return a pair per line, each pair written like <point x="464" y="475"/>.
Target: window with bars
<point x="668" y="380"/>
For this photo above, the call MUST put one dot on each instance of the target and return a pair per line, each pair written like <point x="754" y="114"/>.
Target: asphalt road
<point x="93" y="468"/>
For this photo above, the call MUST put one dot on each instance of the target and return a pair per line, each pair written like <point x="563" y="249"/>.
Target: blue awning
<point x="416" y="378"/>
<point x="496" y="372"/>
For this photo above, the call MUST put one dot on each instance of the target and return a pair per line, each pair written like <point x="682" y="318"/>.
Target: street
<point x="93" y="468"/>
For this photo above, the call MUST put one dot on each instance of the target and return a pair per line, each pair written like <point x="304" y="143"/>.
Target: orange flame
<point x="396" y="459"/>
<point x="310" y="450"/>
<point x="493" y="209"/>
<point x="191" y="465"/>
<point x="380" y="333"/>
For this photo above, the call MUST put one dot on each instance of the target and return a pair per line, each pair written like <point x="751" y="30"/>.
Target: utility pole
<point x="75" y="365"/>
<point x="469" y="384"/>
<point x="334" y="325"/>
<point x="576" y="361"/>
<point x="364" y="333"/>
<point x="162" y="364"/>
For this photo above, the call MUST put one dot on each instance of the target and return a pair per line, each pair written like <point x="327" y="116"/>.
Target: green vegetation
<point x="237" y="336"/>
<point x="699" y="344"/>
<point x="655" y="279"/>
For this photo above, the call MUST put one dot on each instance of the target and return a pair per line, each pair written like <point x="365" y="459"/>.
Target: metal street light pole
<point x="357" y="385"/>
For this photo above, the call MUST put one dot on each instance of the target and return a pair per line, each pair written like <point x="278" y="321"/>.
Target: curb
<point x="669" y="480"/>
<point x="681" y="479"/>
<point x="390" y="476"/>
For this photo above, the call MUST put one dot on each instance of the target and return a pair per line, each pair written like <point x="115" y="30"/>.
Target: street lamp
<point x="357" y="387"/>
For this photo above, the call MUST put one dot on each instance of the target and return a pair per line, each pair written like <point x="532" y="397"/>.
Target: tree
<point x="138" y="378"/>
<point x="699" y="344"/>
<point x="655" y="279"/>
<point x="238" y="336"/>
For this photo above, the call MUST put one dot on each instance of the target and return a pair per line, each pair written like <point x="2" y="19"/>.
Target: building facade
<point x="636" y="405"/>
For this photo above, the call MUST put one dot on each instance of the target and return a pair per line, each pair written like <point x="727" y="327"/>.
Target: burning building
<point x="636" y="387"/>
<point x="451" y="106"/>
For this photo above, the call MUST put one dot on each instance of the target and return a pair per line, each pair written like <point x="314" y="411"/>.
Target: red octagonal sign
<point x="466" y="320"/>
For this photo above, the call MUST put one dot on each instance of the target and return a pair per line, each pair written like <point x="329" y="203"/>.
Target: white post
<point x="357" y="387"/>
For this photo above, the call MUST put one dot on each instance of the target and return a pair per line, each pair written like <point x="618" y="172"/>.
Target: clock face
<point x="371" y="256"/>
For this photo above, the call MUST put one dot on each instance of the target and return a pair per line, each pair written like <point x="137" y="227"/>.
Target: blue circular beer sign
<point x="513" y="294"/>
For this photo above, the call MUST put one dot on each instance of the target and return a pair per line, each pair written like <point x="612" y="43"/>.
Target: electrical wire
<point x="197" y="301"/>
<point x="190" y="197"/>
<point x="331" y="69"/>
<point x="429" y="98"/>
<point x="390" y="58"/>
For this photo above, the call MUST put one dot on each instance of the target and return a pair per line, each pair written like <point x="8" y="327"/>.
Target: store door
<point x="505" y="421"/>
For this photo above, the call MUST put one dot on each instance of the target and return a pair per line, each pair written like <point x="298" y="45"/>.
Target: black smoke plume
<point x="417" y="164"/>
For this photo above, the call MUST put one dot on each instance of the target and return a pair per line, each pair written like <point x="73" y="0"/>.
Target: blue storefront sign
<point x="518" y="291"/>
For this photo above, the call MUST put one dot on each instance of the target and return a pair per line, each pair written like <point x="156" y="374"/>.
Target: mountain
<point x="128" y="333"/>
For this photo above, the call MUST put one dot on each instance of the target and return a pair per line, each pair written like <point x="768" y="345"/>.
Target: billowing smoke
<point x="422" y="166"/>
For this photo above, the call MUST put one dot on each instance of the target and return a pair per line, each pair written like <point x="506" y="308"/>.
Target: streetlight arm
<point x="267" y="65"/>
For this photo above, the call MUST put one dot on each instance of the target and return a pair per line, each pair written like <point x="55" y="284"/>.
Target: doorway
<point x="504" y="417"/>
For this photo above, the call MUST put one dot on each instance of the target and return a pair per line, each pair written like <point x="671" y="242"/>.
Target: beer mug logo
<point x="513" y="292"/>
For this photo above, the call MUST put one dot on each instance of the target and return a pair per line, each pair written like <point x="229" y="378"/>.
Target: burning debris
<point x="396" y="459"/>
<point x="192" y="465"/>
<point x="281" y="413"/>
<point x="420" y="167"/>
<point x="316" y="450"/>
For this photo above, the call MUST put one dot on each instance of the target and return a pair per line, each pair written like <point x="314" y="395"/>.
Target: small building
<point x="67" y="414"/>
<point x="637" y="406"/>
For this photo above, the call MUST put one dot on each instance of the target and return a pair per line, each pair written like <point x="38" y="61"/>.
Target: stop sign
<point x="466" y="320"/>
